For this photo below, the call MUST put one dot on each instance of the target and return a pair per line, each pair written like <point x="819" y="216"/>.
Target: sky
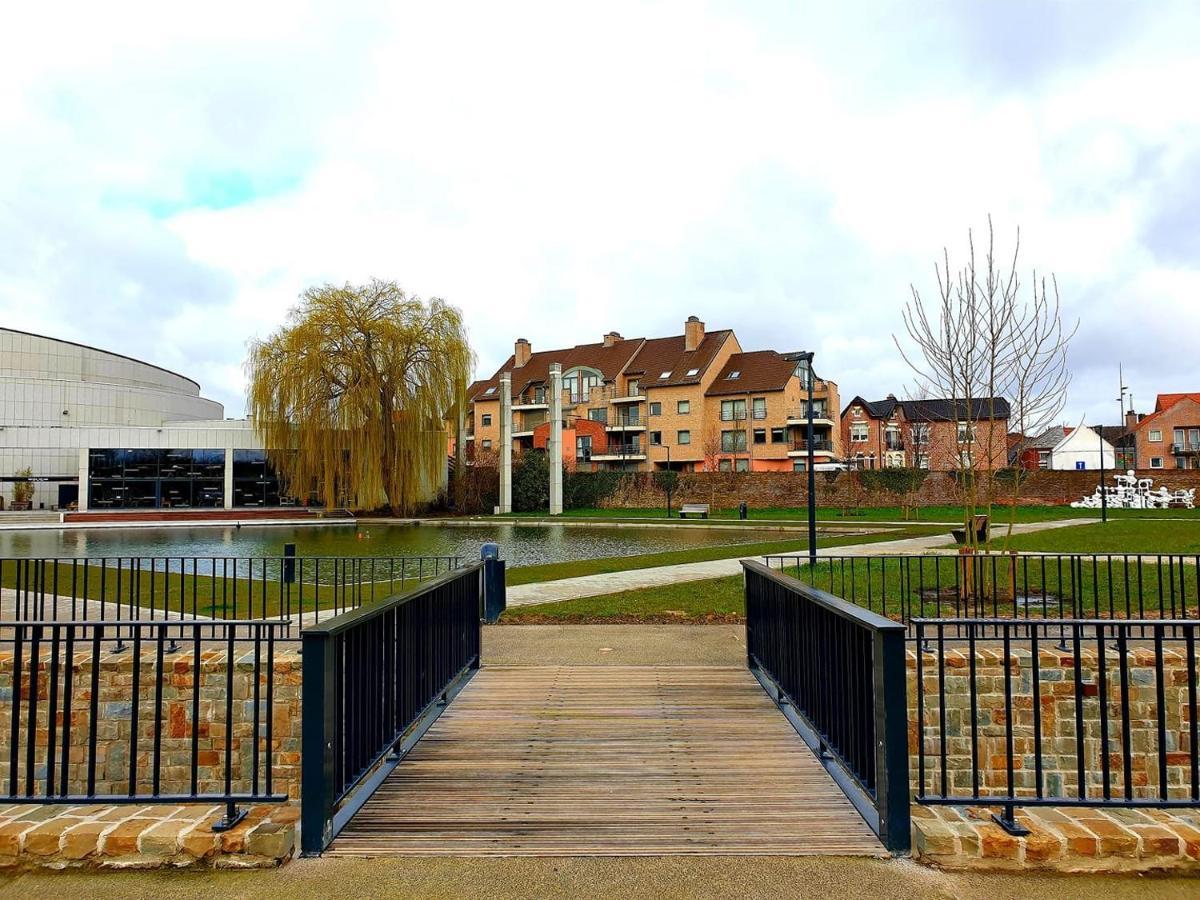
<point x="173" y="177"/>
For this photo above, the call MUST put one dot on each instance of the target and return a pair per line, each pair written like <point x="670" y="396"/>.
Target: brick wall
<point x="789" y="489"/>
<point x="1059" y="760"/>
<point x="113" y="722"/>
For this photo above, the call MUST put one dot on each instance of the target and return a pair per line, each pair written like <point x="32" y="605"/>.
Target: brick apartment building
<point x="694" y="402"/>
<point x="927" y="434"/>
<point x="1169" y="437"/>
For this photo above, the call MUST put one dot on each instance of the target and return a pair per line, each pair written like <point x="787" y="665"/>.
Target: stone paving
<point x="612" y="582"/>
<point x="139" y="836"/>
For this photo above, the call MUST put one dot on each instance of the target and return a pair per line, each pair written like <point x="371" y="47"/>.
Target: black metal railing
<point x="819" y="446"/>
<point x="374" y="680"/>
<point x="838" y="672"/>
<point x="1008" y="585"/>
<point x="77" y="735"/>
<point x="298" y="589"/>
<point x="1068" y="713"/>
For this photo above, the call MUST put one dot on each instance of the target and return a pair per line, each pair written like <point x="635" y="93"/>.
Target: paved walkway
<point x="612" y="582"/>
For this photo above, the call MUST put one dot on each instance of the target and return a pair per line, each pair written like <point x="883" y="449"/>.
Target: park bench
<point x="979" y="524"/>
<point x="693" y="509"/>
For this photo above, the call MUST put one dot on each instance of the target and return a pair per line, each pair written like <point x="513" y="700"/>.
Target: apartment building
<point x="693" y="402"/>
<point x="935" y="434"/>
<point x="1169" y="437"/>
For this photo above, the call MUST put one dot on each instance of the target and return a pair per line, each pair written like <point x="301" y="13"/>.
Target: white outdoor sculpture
<point x="1131" y="492"/>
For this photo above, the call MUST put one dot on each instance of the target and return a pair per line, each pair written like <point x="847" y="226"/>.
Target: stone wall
<point x="1057" y="703"/>
<point x="790" y="489"/>
<point x="114" y="722"/>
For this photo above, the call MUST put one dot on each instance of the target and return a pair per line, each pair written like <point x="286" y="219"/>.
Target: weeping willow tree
<point x="352" y="394"/>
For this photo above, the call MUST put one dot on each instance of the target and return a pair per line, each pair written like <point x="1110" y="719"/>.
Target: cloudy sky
<point x="171" y="180"/>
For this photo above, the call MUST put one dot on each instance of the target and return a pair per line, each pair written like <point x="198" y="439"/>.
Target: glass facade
<point x="131" y="479"/>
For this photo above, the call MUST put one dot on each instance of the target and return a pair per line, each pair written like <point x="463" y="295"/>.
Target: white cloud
<point x="558" y="171"/>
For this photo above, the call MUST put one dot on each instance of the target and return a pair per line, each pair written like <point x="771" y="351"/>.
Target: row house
<point x="693" y="402"/>
<point x="1169" y="437"/>
<point x="934" y="434"/>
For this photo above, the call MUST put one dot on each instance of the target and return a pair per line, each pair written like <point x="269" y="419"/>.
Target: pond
<point x="520" y="545"/>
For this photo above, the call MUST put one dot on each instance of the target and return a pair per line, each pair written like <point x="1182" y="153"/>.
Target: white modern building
<point x="1064" y="448"/>
<point x="100" y="430"/>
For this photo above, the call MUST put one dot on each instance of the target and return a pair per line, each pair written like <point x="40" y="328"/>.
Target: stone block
<point x="122" y="840"/>
<point x="274" y="840"/>
<point x="163" y="839"/>
<point x="82" y="840"/>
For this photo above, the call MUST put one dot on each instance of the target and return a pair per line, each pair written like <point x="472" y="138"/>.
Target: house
<point x="939" y="434"/>
<point x="1062" y="448"/>
<point x="695" y="401"/>
<point x="1169" y="437"/>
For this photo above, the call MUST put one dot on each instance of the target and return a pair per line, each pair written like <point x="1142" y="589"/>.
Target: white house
<point x="1080" y="448"/>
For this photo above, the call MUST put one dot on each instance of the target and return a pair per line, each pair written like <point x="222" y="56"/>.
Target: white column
<point x="84" y="455"/>
<point x="554" y="443"/>
<point x="505" y="442"/>
<point x="460" y="451"/>
<point x="228" y="478"/>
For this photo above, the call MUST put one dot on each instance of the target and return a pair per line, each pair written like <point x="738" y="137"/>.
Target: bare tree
<point x="978" y="341"/>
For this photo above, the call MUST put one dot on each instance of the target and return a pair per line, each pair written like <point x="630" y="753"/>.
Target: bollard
<point x="493" y="583"/>
<point x="289" y="563"/>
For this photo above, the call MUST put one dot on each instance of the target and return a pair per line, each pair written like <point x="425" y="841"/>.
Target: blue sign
<point x="1080" y="464"/>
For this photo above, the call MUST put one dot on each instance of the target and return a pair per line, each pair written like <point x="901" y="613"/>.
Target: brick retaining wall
<point x="790" y="489"/>
<point x="115" y="717"/>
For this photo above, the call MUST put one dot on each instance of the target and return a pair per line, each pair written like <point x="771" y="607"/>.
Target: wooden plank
<point x="608" y="760"/>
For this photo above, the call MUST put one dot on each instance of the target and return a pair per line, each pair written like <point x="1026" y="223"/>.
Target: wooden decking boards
<point x="608" y="760"/>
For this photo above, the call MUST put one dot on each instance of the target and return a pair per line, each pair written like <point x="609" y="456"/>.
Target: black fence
<point x="206" y="588"/>
<point x="374" y="680"/>
<point x="838" y="673"/>
<point x="1068" y="713"/>
<point x="169" y="732"/>
<point x="1008" y="585"/>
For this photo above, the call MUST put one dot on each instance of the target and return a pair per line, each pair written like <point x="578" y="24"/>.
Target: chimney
<point x="693" y="333"/>
<point x="1131" y="419"/>
<point x="611" y="338"/>
<point x="521" y="352"/>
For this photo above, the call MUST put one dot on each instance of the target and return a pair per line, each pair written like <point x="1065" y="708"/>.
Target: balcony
<point x="618" y="451"/>
<point x="634" y="394"/>
<point x="1185" y="448"/>
<point x="627" y="423"/>
<point x="800" y="416"/>
<point x="819" y="448"/>
<point x="893" y="445"/>
<point x="532" y="400"/>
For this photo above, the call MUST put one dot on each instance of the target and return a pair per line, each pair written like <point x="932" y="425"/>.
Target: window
<point x="664" y="376"/>
<point x="922" y="460"/>
<point x="1179" y="436"/>
<point x="489" y="392"/>
<point x="741" y="465"/>
<point x="1181" y="462"/>
<point x="760" y="407"/>
<point x="920" y="434"/>
<point x="486" y="420"/>
<point x="859" y="432"/>
<point x="799" y="466"/>
<point x="579" y="383"/>
<point x="487" y="445"/>
<point x="692" y="372"/>
<point x="734" y="375"/>
<point x="966" y="433"/>
<point x="1156" y="462"/>
<point x="778" y="435"/>
<point x="683" y="407"/>
<point x="760" y="435"/>
<point x="683" y="437"/>
<point x="724" y="465"/>
<point x="1043" y="459"/>
<point x="856" y="412"/>
<point x="583" y="447"/>
<point x="656" y="439"/>
<point x="1155" y="436"/>
<point x="656" y="409"/>
<point x="733" y="410"/>
<point x="598" y="415"/>
<point x="733" y="441"/>
<point x="634" y="388"/>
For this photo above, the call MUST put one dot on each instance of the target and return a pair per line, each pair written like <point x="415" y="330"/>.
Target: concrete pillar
<point x="460" y="453"/>
<point x="554" y="443"/>
<point x="228" y="478"/>
<point x="505" y="443"/>
<point x="84" y="456"/>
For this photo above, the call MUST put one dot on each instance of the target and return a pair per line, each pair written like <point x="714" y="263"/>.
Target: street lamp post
<point x="812" y="475"/>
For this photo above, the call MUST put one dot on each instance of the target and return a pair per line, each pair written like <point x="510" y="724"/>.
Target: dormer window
<point x="692" y="372"/>
<point x="664" y="376"/>
<point x="734" y="375"/>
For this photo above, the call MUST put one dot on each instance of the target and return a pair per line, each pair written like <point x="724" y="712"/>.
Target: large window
<point x="859" y="432"/>
<point x="733" y="441"/>
<point x="579" y="383"/>
<point x="683" y="437"/>
<point x="683" y="407"/>
<point x="132" y="479"/>
<point x="254" y="481"/>
<point x="733" y="410"/>
<point x="760" y="407"/>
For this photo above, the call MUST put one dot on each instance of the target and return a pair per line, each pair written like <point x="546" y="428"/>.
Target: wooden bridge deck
<point x="608" y="761"/>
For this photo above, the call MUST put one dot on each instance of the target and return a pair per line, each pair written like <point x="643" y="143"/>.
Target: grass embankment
<point x="1118" y="536"/>
<point x="608" y="564"/>
<point x="836" y="515"/>
<point x="706" y="601"/>
<point x="232" y="596"/>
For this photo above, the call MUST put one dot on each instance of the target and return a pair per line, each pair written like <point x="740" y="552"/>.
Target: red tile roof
<point x="659" y="355"/>
<point x="608" y="361"/>
<point x="759" y="370"/>
<point x="1162" y="404"/>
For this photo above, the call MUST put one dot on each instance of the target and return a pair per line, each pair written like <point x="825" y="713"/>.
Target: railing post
<point x="494" y="601"/>
<point x="892" y="792"/>
<point x="317" y="784"/>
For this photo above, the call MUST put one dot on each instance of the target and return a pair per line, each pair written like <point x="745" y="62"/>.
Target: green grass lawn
<point x="709" y="600"/>
<point x="553" y="571"/>
<point x="1117" y="536"/>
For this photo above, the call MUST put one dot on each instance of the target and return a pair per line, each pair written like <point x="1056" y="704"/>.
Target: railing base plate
<point x="1010" y="825"/>
<point x="229" y="820"/>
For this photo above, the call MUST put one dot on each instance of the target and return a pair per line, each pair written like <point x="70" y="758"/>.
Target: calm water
<point x="520" y="545"/>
